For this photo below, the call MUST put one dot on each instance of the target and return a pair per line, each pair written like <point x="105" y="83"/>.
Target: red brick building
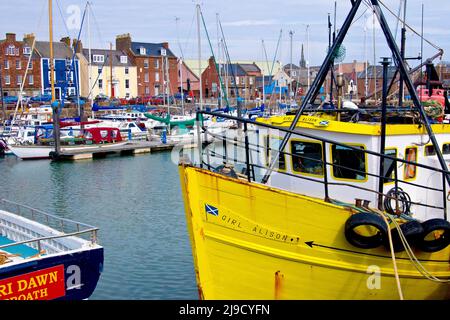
<point x="235" y="77"/>
<point x="157" y="68"/>
<point x="14" y="57"/>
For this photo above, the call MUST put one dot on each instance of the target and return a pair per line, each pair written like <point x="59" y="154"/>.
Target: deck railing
<point x="250" y="165"/>
<point x="67" y="227"/>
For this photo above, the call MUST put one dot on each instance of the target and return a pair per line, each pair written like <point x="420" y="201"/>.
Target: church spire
<point x="302" y="60"/>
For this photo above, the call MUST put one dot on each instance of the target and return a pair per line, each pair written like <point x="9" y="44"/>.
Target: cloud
<point x="249" y="23"/>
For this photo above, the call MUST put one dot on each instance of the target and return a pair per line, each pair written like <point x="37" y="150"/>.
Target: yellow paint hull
<point x="254" y="242"/>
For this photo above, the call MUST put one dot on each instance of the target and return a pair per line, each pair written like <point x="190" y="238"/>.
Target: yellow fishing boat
<point x="310" y="207"/>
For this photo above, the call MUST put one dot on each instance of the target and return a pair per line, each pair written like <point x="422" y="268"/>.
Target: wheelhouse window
<point x="446" y="148"/>
<point x="349" y="163"/>
<point x="430" y="150"/>
<point x="307" y="157"/>
<point x="272" y="145"/>
<point x="389" y="166"/>
<point x="410" y="169"/>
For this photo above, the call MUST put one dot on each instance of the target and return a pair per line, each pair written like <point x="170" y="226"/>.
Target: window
<point x="142" y="51"/>
<point x="294" y="73"/>
<point x="19" y="80"/>
<point x="11" y="51"/>
<point x="99" y="70"/>
<point x="100" y="83"/>
<point x="30" y="65"/>
<point x="6" y="64"/>
<point x="146" y="63"/>
<point x="123" y="59"/>
<point x="307" y="157"/>
<point x="127" y="84"/>
<point x="156" y="64"/>
<point x="389" y="166"/>
<point x="18" y="64"/>
<point x="127" y="95"/>
<point x="26" y="50"/>
<point x="98" y="58"/>
<point x="430" y="150"/>
<point x="272" y="145"/>
<point x="7" y="79"/>
<point x="410" y="169"/>
<point x="237" y="80"/>
<point x="30" y="79"/>
<point x="348" y="163"/>
<point x="250" y="80"/>
<point x="446" y="148"/>
<point x="127" y="70"/>
<point x="156" y="76"/>
<point x="147" y="90"/>
<point x="146" y="77"/>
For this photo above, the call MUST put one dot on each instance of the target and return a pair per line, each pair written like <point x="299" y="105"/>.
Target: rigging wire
<point x="63" y="20"/>
<point x="409" y="27"/>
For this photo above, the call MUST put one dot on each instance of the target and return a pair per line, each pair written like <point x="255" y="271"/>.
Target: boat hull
<point x="251" y="241"/>
<point x="76" y="272"/>
<point x="43" y="152"/>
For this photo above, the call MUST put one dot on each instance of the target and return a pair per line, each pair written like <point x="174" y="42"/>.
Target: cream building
<point x="97" y="76"/>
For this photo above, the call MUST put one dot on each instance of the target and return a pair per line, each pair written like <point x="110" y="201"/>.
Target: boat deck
<point x="21" y="250"/>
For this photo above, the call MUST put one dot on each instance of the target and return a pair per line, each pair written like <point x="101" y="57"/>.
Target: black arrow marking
<point x="311" y="244"/>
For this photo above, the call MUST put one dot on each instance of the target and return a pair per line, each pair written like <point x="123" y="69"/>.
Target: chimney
<point x="66" y="40"/>
<point x="123" y="42"/>
<point x="29" y="39"/>
<point x="11" y="37"/>
<point x="165" y="45"/>
<point x="78" y="48"/>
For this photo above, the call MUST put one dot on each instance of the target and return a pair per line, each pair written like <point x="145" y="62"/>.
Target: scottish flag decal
<point x="211" y="210"/>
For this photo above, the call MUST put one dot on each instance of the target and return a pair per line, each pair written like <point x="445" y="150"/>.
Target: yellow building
<point x="96" y="77"/>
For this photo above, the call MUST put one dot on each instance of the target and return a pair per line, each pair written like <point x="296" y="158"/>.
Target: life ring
<point x="412" y="230"/>
<point x="365" y="230"/>
<point x="435" y="236"/>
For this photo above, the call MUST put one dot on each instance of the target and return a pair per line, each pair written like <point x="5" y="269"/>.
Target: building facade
<point x="14" y="56"/>
<point x="235" y="78"/>
<point x="66" y="73"/>
<point x="96" y="74"/>
<point x="156" y="66"/>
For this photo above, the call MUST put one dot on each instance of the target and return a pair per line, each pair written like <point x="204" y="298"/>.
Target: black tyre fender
<point x="365" y="219"/>
<point x="437" y="244"/>
<point x="412" y="230"/>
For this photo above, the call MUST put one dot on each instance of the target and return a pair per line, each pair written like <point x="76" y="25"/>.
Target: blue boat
<point x="45" y="257"/>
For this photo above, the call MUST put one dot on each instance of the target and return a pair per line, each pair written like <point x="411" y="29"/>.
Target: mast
<point x="402" y="54"/>
<point x="1" y="93"/>
<point x="51" y="64"/>
<point x="263" y="80"/>
<point x="374" y="68"/>
<point x="90" y="52"/>
<point x="111" y="69"/>
<point x="291" y="33"/>
<point x="55" y="106"/>
<point x="199" y="57"/>
<point x="307" y="56"/>
<point x="366" y="61"/>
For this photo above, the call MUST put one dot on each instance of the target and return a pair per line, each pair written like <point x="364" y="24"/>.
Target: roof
<point x="264" y="66"/>
<point x="250" y="67"/>
<point x="152" y="49"/>
<point x="288" y="67"/>
<point x="105" y="52"/>
<point x="60" y="50"/>
<point x="378" y="71"/>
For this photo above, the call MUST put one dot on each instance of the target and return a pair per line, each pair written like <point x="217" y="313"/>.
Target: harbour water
<point x="134" y="200"/>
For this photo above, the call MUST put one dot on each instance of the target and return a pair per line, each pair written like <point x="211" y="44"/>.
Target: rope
<point x="394" y="262"/>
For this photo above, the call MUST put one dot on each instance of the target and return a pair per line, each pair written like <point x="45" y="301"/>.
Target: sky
<point x="245" y="25"/>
